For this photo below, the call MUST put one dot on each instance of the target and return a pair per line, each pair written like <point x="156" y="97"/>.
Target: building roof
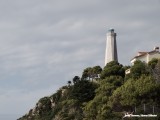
<point x="141" y="54"/>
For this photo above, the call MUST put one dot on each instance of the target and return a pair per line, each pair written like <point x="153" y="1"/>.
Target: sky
<point x="45" y="43"/>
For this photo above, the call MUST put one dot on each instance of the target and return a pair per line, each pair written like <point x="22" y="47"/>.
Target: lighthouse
<point x="111" y="47"/>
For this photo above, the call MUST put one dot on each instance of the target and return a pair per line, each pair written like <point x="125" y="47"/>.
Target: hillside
<point x="106" y="97"/>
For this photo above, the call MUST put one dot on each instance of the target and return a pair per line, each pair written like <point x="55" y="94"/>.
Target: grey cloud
<point x="43" y="44"/>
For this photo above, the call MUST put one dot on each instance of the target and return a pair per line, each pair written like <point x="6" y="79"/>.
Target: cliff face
<point x="43" y="107"/>
<point x="65" y="104"/>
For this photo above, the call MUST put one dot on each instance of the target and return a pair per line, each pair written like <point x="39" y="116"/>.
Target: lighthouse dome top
<point x="111" y="30"/>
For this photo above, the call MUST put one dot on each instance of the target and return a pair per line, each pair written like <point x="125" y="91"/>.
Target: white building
<point x="147" y="56"/>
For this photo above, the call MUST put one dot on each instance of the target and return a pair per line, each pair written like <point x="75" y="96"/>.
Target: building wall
<point x="141" y="58"/>
<point x="151" y="56"/>
<point x="146" y="58"/>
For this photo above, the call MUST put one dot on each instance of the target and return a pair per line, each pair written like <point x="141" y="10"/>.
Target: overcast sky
<point x="45" y="43"/>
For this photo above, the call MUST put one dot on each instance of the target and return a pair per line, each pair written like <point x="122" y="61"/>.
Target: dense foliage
<point x="104" y="94"/>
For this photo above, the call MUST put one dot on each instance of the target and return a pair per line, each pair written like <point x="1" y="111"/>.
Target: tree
<point x="135" y="93"/>
<point x="113" y="68"/>
<point x="153" y="63"/>
<point x="83" y="91"/>
<point x="156" y="71"/>
<point x="76" y="79"/>
<point x="97" y="108"/>
<point x="139" y="68"/>
<point x="91" y="72"/>
<point x="86" y="73"/>
<point x="69" y="83"/>
<point x="95" y="71"/>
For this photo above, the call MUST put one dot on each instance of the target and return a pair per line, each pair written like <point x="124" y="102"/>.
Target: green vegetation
<point x="106" y="97"/>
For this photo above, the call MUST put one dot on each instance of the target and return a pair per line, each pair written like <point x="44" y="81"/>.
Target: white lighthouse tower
<point x="111" y="47"/>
